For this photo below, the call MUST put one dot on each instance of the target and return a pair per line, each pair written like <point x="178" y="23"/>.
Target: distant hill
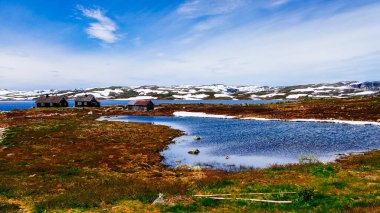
<point x="209" y="92"/>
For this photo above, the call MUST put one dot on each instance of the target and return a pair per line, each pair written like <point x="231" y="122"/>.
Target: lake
<point x="12" y="105"/>
<point x="258" y="144"/>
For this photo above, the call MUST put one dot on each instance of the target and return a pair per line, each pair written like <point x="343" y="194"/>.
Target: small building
<point x="86" y="101"/>
<point x="141" y="105"/>
<point x="52" y="101"/>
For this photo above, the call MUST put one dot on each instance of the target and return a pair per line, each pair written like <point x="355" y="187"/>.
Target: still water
<point x="258" y="144"/>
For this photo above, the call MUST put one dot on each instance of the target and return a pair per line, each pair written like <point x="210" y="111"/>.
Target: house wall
<point x="87" y="104"/>
<point x="137" y="108"/>
<point x="140" y="108"/>
<point x="63" y="103"/>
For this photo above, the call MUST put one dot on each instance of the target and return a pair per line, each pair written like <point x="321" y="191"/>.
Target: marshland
<point x="61" y="159"/>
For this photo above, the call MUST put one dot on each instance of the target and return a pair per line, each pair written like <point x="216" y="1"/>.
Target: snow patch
<point x="222" y="96"/>
<point x="364" y="93"/>
<point x="205" y="115"/>
<point x="271" y="95"/>
<point x="144" y="97"/>
<point x="191" y="96"/>
<point x="200" y="115"/>
<point x="309" y="89"/>
<point x="296" y="96"/>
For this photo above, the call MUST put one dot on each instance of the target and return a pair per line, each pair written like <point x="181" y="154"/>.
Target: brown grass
<point x="59" y="159"/>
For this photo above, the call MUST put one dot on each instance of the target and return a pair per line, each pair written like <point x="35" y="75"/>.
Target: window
<point x="79" y="103"/>
<point x="85" y="103"/>
<point x="51" y="104"/>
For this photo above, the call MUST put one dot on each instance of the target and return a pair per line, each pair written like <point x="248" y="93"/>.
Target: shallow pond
<point x="258" y="144"/>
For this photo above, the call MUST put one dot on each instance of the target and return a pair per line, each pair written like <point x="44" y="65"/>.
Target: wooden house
<point x="141" y="105"/>
<point x="86" y="101"/>
<point x="52" y="101"/>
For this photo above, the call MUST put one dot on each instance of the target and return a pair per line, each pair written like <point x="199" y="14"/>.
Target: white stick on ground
<point x="253" y="193"/>
<point x="251" y="199"/>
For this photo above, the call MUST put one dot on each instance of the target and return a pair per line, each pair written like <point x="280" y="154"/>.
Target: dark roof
<point x="50" y="99"/>
<point x="140" y="102"/>
<point x="85" y="98"/>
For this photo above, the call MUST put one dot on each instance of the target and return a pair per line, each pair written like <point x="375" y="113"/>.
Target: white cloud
<point x="199" y="8"/>
<point x="277" y="3"/>
<point x="104" y="29"/>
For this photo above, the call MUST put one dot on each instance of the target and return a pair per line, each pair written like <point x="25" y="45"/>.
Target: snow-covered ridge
<point x="216" y="91"/>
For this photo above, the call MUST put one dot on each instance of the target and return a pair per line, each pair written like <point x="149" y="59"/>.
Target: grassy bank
<point x="62" y="159"/>
<point x="357" y="109"/>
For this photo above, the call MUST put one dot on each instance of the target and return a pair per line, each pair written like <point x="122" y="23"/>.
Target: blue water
<point x="258" y="144"/>
<point x="12" y="105"/>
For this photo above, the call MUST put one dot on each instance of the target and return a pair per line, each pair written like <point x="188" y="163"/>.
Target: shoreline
<point x="205" y="115"/>
<point x="331" y="158"/>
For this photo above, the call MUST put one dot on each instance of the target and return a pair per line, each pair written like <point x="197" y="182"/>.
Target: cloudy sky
<point x="76" y="44"/>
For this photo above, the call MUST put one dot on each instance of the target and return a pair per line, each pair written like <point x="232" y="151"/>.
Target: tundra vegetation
<point x="56" y="160"/>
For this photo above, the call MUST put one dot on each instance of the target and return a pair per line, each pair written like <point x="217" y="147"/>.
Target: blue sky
<point x="75" y="44"/>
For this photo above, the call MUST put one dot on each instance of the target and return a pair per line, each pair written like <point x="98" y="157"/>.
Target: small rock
<point x="194" y="151"/>
<point x="90" y="113"/>
<point x="177" y="161"/>
<point x="197" y="138"/>
<point x="10" y="154"/>
<point x="159" y="200"/>
<point x="378" y="120"/>
<point x="227" y="157"/>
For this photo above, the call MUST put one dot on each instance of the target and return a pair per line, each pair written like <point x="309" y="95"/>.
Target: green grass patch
<point x="66" y="172"/>
<point x="194" y="207"/>
<point x="253" y="187"/>
<point x="324" y="171"/>
<point x="6" y="191"/>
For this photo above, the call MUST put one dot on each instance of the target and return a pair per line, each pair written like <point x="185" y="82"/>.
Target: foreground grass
<point x="61" y="159"/>
<point x="354" y="182"/>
